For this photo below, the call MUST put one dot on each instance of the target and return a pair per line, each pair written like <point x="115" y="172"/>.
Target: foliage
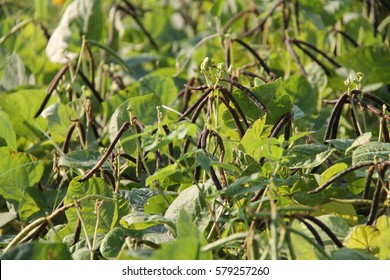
<point x="194" y="129"/>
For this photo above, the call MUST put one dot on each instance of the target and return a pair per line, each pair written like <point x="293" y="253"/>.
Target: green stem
<point x="83" y="44"/>
<point x="358" y="201"/>
<point x="35" y="224"/>
<point x="98" y="206"/>
<point x="77" y="206"/>
<point x="112" y="53"/>
<point x="15" y="29"/>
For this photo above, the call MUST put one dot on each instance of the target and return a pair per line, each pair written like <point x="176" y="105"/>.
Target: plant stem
<point x="24" y="232"/>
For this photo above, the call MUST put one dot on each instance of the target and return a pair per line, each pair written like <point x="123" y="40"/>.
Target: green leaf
<point x="302" y="94"/>
<point x="271" y="148"/>
<point x="372" y="61"/>
<point x="188" y="244"/>
<point x="41" y="9"/>
<point x="371" y="151"/>
<point x="155" y="142"/>
<point x="186" y="228"/>
<point x="216" y="9"/>
<point x="59" y="117"/>
<point x="33" y="205"/>
<point x="192" y="200"/>
<point x="38" y="251"/>
<point x="245" y="184"/>
<point x="85" y="159"/>
<point x="250" y="142"/>
<point x="340" y="144"/>
<point x="158" y="205"/>
<point x="18" y="171"/>
<point x="363" y="237"/>
<point x="346" y="211"/>
<point x="144" y="108"/>
<point x="308" y="155"/>
<point x="302" y="248"/>
<point x="331" y="171"/>
<point x="361" y="140"/>
<point x="138" y="198"/>
<point x="186" y="248"/>
<point x="110" y="104"/>
<point x="112" y="242"/>
<point x="163" y="88"/>
<point x="7" y="132"/>
<point x="328" y="11"/>
<point x="272" y="95"/>
<point x="162" y="174"/>
<point x="275" y="98"/>
<point x="351" y="254"/>
<point x="140" y="221"/>
<point x="82" y="254"/>
<point x="21" y="107"/>
<point x="357" y="187"/>
<point x="92" y="190"/>
<point x="335" y="223"/>
<point x="122" y="208"/>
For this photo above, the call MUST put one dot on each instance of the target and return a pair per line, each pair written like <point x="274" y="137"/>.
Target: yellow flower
<point x="58" y="2"/>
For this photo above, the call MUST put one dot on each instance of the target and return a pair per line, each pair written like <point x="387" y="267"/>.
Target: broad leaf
<point x="144" y="108"/>
<point x="93" y="191"/>
<point x="308" y="155"/>
<point x="370" y="152"/>
<point x="38" y="251"/>
<point x="21" y="107"/>
<point x="113" y="241"/>
<point x="302" y="248"/>
<point x="7" y="132"/>
<point x="335" y="223"/>
<point x="331" y="171"/>
<point x="188" y="244"/>
<point x="250" y="142"/>
<point x="272" y="95"/>
<point x="59" y="117"/>
<point x="186" y="248"/>
<point x="383" y="223"/>
<point x="351" y="254"/>
<point x="384" y="245"/>
<point x="192" y="200"/>
<point x="140" y="221"/>
<point x="85" y="159"/>
<point x="363" y="237"/>
<point x="33" y="205"/>
<point x="346" y="211"/>
<point x="216" y="9"/>
<point x="162" y="174"/>
<point x="302" y="94"/>
<point x="360" y="141"/>
<point x="164" y="88"/>
<point x="372" y="61"/>
<point x="18" y="171"/>
<point x="158" y="205"/>
<point x="138" y="198"/>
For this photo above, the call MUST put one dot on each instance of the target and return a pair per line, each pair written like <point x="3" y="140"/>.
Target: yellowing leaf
<point x="363" y="237"/>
